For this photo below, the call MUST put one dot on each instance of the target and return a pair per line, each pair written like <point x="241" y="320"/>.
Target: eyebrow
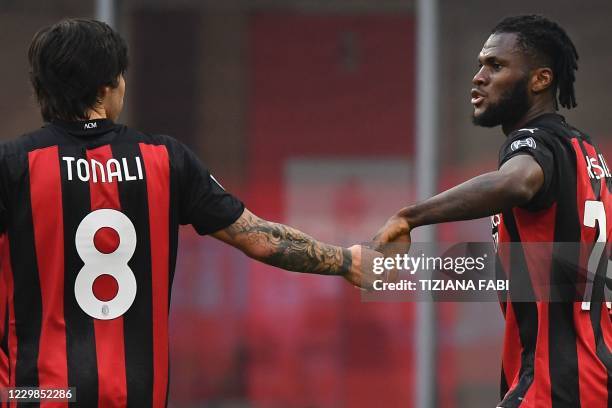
<point x="490" y="59"/>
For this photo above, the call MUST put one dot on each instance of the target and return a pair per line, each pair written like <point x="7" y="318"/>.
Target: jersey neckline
<point x="85" y="127"/>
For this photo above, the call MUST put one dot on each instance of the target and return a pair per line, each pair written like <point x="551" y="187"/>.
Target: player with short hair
<point x="552" y="186"/>
<point x="91" y="211"/>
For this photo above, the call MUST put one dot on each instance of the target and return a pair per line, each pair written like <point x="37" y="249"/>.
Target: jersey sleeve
<point x="204" y="203"/>
<point x="536" y="143"/>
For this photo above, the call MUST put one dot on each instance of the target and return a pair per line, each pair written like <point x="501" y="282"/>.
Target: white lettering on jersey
<point x="529" y="142"/>
<point x="597" y="169"/>
<point x="97" y="167"/>
<point x="97" y="172"/>
<point x="113" y="173"/>
<point x="90" y="125"/>
<point x="68" y="161"/>
<point x="83" y="169"/>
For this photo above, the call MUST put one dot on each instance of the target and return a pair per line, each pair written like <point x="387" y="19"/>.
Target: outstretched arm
<point x="287" y="248"/>
<point x="515" y="183"/>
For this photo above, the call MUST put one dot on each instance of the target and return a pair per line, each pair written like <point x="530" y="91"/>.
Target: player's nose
<point x="480" y="78"/>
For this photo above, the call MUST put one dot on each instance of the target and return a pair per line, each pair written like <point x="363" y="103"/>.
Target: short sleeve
<point x="538" y="144"/>
<point x="204" y="203"/>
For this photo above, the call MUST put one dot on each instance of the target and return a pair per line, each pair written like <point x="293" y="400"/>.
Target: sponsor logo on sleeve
<point x="518" y="144"/>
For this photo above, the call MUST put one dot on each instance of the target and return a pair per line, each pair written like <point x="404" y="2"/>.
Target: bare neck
<point x="96" y="112"/>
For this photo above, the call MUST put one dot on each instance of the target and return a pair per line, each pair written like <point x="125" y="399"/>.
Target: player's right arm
<point x="516" y="182"/>
<point x="205" y="204"/>
<point x="290" y="249"/>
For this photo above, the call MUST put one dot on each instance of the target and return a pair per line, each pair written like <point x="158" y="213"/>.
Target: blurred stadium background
<point x="306" y="110"/>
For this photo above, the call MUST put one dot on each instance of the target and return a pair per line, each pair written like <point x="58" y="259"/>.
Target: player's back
<point x="91" y="212"/>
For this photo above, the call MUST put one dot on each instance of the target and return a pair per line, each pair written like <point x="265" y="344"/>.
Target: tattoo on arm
<point x="285" y="247"/>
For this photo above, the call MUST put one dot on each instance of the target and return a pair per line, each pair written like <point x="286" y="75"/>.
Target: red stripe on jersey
<point x="12" y="336"/>
<point x="538" y="227"/>
<point x="110" y="346"/>
<point x="47" y="218"/>
<point x="606" y="327"/>
<point x="4" y="372"/>
<point x="592" y="374"/>
<point x="157" y="171"/>
<point x="537" y="234"/>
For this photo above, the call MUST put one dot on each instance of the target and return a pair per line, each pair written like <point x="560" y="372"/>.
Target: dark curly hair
<point x="547" y="45"/>
<point x="70" y="61"/>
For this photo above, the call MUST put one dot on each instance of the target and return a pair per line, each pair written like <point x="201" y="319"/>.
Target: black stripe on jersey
<point x="27" y="298"/>
<point x="27" y="292"/>
<point x="501" y="274"/>
<point x="80" y="335"/>
<point x="526" y="313"/>
<point x="503" y="386"/>
<point x="138" y="320"/>
<point x="565" y="391"/>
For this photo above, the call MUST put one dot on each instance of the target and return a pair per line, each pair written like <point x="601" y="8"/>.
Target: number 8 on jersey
<point x="98" y="263"/>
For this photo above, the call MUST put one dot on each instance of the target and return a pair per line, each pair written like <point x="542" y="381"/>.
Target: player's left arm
<point x="516" y="182"/>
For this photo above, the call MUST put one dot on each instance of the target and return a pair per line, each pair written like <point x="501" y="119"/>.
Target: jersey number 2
<point x="594" y="212"/>
<point x="98" y="263"/>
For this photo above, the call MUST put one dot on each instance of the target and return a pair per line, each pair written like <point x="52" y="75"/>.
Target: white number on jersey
<point x="99" y="263"/>
<point x="595" y="214"/>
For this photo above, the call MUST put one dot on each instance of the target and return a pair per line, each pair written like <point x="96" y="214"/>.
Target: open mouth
<point x="477" y="97"/>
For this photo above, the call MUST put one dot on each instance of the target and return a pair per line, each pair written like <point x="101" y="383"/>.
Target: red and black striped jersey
<point x="557" y="349"/>
<point x="91" y="212"/>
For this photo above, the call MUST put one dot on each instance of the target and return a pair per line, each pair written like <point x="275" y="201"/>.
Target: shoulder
<point x="529" y="136"/>
<point x="528" y="139"/>
<point x="25" y="143"/>
<point x="130" y="135"/>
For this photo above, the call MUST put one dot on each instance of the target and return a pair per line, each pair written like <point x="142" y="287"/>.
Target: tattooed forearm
<point x="288" y="248"/>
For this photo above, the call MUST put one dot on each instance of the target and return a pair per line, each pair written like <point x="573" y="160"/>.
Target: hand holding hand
<point x="396" y="229"/>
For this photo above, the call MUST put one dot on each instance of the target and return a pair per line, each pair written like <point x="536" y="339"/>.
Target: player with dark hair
<point x="552" y="186"/>
<point x="91" y="210"/>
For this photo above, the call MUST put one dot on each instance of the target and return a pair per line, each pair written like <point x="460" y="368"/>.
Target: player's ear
<point x="541" y="79"/>
<point x="103" y="91"/>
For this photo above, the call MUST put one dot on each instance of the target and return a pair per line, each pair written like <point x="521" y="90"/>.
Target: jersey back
<point x="90" y="212"/>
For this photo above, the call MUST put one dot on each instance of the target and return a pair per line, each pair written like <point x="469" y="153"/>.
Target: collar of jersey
<point x="86" y="127"/>
<point x="545" y="117"/>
